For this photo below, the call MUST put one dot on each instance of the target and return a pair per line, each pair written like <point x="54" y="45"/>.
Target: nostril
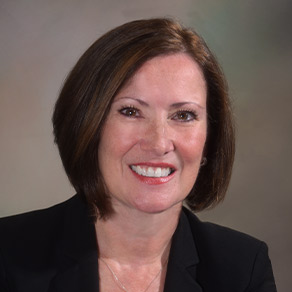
<point x="156" y="139"/>
<point x="160" y="145"/>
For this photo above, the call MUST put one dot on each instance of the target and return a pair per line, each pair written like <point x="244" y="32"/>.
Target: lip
<point x="154" y="180"/>
<point x="155" y="164"/>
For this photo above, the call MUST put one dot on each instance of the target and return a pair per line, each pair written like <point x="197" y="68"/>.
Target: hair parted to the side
<point x="88" y="92"/>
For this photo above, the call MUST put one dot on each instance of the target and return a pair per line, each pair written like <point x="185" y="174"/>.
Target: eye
<point x="184" y="116"/>
<point x="129" y="111"/>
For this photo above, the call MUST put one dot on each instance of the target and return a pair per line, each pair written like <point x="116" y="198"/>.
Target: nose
<point x="157" y="139"/>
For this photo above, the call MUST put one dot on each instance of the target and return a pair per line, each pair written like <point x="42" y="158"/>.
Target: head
<point x="102" y="71"/>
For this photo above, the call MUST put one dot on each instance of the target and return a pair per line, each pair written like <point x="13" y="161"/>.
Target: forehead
<point x="169" y="78"/>
<point x="176" y="68"/>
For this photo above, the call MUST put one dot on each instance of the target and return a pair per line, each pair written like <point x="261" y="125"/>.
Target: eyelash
<point x="129" y="108"/>
<point x="192" y="115"/>
<point x="133" y="112"/>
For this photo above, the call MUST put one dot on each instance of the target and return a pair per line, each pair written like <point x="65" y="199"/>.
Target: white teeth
<point x="150" y="171"/>
<point x="164" y="172"/>
<point x="158" y="172"/>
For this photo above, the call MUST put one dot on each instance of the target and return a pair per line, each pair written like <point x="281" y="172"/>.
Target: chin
<point x="156" y="207"/>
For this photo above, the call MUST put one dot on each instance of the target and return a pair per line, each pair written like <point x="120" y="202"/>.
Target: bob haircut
<point x="91" y="86"/>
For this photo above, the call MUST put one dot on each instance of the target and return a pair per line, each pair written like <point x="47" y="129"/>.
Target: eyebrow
<point x="180" y="104"/>
<point x="174" y="105"/>
<point x="136" y="99"/>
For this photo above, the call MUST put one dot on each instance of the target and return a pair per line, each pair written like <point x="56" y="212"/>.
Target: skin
<point x="157" y="119"/>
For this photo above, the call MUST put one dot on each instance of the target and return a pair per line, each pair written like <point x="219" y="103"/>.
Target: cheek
<point x="191" y="145"/>
<point x="116" y="141"/>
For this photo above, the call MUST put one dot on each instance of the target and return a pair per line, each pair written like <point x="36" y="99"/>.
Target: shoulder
<point x="211" y="236"/>
<point x="34" y="233"/>
<point x="35" y="246"/>
<point x="39" y="220"/>
<point x="230" y="256"/>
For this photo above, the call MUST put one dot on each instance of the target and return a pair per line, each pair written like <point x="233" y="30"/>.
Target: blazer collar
<point x="183" y="260"/>
<point x="78" y="256"/>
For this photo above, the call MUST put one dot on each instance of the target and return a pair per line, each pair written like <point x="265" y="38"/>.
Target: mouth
<point x="152" y="171"/>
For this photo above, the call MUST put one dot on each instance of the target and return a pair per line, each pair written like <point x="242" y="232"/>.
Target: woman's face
<point x="153" y="139"/>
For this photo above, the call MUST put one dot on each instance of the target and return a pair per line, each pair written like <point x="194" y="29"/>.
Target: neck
<point x="133" y="237"/>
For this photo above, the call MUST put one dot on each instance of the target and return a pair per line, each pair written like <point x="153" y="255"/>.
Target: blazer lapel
<point x="183" y="260"/>
<point x="77" y="254"/>
<point x="77" y="266"/>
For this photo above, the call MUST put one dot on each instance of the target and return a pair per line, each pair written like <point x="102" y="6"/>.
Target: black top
<point x="55" y="250"/>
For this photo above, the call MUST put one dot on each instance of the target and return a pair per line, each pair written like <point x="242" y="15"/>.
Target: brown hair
<point x="91" y="86"/>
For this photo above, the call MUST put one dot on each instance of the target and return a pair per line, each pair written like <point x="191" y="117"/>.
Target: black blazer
<point x="55" y="250"/>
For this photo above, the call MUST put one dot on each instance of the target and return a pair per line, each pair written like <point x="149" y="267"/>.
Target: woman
<point x="143" y="124"/>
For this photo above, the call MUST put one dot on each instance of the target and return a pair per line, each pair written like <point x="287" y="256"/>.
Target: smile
<point x="152" y="171"/>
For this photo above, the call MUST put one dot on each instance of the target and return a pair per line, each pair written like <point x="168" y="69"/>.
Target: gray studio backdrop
<point x="40" y="40"/>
